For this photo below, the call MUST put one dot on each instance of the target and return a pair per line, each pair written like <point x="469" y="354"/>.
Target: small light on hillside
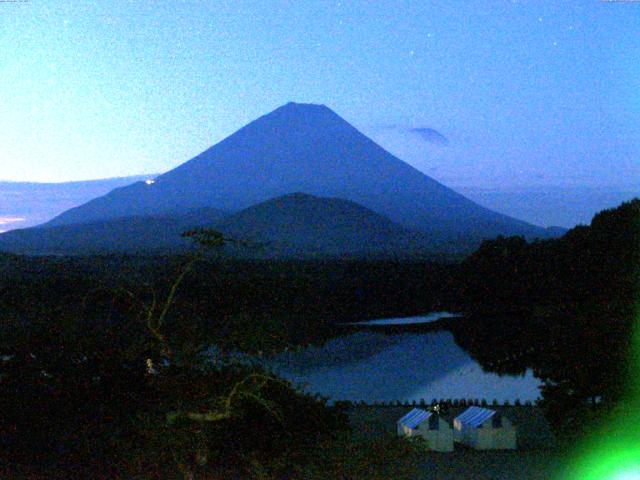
<point x="150" y="182"/>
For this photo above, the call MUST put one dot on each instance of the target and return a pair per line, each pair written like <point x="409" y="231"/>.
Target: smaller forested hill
<point x="300" y="225"/>
<point x="291" y="226"/>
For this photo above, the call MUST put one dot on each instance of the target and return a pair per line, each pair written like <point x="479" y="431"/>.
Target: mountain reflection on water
<point x="372" y="366"/>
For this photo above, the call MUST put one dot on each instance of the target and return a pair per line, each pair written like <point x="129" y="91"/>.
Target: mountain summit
<point x="305" y="148"/>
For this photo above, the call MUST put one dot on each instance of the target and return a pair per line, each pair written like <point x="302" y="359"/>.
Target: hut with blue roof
<point x="436" y="432"/>
<point x="484" y="429"/>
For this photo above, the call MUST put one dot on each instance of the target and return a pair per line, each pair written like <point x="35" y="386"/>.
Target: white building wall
<point x="440" y="440"/>
<point x="487" y="437"/>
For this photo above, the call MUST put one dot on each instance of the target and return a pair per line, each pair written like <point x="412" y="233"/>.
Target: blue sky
<point x="543" y="93"/>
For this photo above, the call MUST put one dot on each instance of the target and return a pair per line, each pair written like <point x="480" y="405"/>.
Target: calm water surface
<point x="373" y="366"/>
<point x="430" y="317"/>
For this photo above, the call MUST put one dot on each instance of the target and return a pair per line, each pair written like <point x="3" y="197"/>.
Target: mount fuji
<point x="308" y="149"/>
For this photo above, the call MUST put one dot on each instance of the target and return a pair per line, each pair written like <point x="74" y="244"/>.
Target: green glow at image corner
<point x="614" y="454"/>
<point x="628" y="475"/>
<point x="610" y="466"/>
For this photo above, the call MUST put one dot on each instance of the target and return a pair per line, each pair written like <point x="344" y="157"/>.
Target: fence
<point x="442" y="402"/>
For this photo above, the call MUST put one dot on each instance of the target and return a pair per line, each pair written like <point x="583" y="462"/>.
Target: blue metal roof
<point x="414" y="418"/>
<point x="475" y="416"/>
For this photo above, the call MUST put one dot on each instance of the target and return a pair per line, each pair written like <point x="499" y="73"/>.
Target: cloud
<point x="430" y="135"/>
<point x="8" y="220"/>
<point x="427" y="134"/>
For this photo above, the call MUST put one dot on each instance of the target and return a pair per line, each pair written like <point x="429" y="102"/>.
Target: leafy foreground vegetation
<point x="106" y="371"/>
<point x="255" y="305"/>
<point x="125" y="386"/>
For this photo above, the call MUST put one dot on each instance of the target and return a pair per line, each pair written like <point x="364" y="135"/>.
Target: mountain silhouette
<point x="151" y="234"/>
<point x="31" y="203"/>
<point x="301" y="225"/>
<point x="292" y="226"/>
<point x="305" y="148"/>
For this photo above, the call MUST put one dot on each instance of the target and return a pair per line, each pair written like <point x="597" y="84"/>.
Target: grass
<point x="489" y="465"/>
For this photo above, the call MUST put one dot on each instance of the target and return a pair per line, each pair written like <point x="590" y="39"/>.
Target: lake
<point x="429" y="318"/>
<point x="374" y="366"/>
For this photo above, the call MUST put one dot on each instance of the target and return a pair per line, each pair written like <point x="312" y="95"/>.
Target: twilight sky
<point x="504" y="93"/>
